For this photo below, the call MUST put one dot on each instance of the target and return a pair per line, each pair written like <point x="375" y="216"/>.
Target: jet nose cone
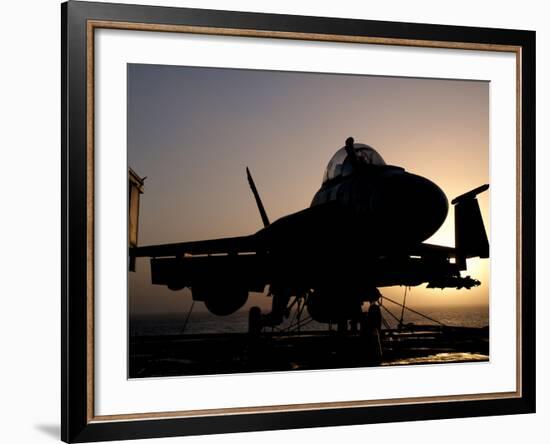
<point x="412" y="206"/>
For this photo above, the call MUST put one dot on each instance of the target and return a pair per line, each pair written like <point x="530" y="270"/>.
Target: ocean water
<point x="201" y="322"/>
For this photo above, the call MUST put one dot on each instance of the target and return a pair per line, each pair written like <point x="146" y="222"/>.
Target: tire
<point x="255" y="321"/>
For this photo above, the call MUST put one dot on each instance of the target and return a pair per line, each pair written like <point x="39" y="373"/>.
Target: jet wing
<point x="441" y="271"/>
<point x="227" y="245"/>
<point x="233" y="261"/>
<point x="426" y="250"/>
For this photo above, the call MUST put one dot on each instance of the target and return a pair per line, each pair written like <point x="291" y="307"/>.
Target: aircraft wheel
<point x="364" y="324"/>
<point x="371" y="333"/>
<point x="255" y="321"/>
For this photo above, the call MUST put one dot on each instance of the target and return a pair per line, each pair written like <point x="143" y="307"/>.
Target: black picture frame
<point x="78" y="423"/>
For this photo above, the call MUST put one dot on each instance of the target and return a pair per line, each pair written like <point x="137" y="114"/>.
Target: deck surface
<point x="176" y="355"/>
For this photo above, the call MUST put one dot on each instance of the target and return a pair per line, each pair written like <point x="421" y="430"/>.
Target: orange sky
<point x="192" y="131"/>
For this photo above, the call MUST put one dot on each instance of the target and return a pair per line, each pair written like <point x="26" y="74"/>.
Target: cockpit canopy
<point x="341" y="165"/>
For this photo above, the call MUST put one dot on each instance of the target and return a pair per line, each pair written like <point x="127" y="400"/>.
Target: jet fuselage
<point x="376" y="209"/>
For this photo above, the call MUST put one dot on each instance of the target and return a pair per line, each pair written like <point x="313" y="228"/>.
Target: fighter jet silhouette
<point x="365" y="229"/>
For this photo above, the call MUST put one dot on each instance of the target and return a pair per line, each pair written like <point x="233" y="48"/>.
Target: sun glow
<point x="207" y="124"/>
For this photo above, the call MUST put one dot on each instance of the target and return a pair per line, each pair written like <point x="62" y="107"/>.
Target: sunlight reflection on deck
<point x="440" y="358"/>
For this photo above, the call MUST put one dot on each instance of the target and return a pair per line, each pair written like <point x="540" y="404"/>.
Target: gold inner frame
<point x="92" y="25"/>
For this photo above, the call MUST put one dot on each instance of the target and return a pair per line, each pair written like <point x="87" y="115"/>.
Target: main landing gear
<point x="255" y="321"/>
<point x="364" y="329"/>
<point x="371" y="326"/>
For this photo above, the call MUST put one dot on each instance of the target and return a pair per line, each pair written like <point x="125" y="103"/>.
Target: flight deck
<point x="203" y="354"/>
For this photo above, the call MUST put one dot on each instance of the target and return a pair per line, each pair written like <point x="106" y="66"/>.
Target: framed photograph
<point x="275" y="221"/>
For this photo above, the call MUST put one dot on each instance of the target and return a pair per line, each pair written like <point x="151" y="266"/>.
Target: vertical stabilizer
<point x="470" y="235"/>
<point x="259" y="203"/>
<point x="135" y="189"/>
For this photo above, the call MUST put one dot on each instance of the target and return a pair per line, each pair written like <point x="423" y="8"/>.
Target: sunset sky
<point x="192" y="131"/>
